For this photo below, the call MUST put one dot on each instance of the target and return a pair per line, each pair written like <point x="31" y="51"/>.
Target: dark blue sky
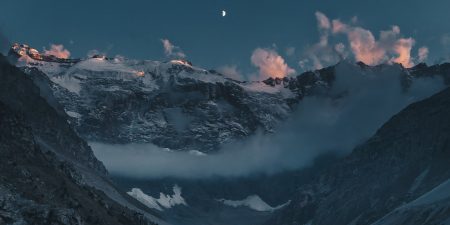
<point x="133" y="28"/>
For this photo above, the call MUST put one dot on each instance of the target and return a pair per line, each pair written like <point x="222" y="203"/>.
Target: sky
<point x="280" y="37"/>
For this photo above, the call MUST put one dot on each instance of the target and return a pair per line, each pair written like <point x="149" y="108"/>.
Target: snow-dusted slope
<point x="432" y="207"/>
<point x="171" y="104"/>
<point x="399" y="176"/>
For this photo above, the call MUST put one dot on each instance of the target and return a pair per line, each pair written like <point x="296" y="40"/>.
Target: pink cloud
<point x="362" y="43"/>
<point x="403" y="48"/>
<point x="58" y="51"/>
<point x="388" y="48"/>
<point x="270" y="63"/>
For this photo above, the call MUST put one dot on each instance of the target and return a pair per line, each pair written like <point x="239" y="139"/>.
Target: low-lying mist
<point x="359" y="102"/>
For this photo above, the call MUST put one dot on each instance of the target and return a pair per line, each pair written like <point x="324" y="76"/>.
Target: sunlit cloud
<point x="362" y="43"/>
<point x="390" y="47"/>
<point x="403" y="48"/>
<point x="270" y="63"/>
<point x="57" y="51"/>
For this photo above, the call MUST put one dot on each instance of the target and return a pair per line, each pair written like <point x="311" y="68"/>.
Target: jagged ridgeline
<point x="177" y="105"/>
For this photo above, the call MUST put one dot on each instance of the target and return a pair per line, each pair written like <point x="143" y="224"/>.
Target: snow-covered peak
<point x="29" y="55"/>
<point x="182" y="62"/>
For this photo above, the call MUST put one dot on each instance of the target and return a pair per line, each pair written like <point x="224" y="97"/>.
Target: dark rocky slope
<point x="47" y="172"/>
<point x="406" y="158"/>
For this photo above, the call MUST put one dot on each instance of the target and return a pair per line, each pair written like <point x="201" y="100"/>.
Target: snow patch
<point x="144" y="199"/>
<point x="73" y="114"/>
<point x="437" y="194"/>
<point x="164" y="201"/>
<point x="196" y="153"/>
<point x="253" y="202"/>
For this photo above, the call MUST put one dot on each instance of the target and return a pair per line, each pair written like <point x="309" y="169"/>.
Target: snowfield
<point x="163" y="202"/>
<point x="253" y="202"/>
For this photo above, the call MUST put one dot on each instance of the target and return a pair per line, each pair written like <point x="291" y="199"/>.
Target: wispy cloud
<point x="423" y="54"/>
<point x="231" y="71"/>
<point x="297" y="142"/>
<point x="321" y="53"/>
<point x="270" y="63"/>
<point x="290" y="51"/>
<point x="171" y="50"/>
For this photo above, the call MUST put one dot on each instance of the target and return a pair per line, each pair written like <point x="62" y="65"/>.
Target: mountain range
<point x="51" y="108"/>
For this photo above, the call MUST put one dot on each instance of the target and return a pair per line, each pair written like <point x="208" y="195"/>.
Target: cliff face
<point x="46" y="171"/>
<point x="401" y="165"/>
<point x="49" y="128"/>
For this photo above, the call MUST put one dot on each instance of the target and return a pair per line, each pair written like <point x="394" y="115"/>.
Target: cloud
<point x="171" y="50"/>
<point x="403" y="48"/>
<point x="270" y="63"/>
<point x="231" y="71"/>
<point x="290" y="51"/>
<point x="321" y="53"/>
<point x="423" y="54"/>
<point x="340" y="48"/>
<point x="389" y="48"/>
<point x="323" y="24"/>
<point x="360" y="100"/>
<point x="362" y="42"/>
<point x="323" y="21"/>
<point x="58" y="51"/>
<point x="445" y="40"/>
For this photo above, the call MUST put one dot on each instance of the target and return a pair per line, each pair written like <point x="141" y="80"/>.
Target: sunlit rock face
<point x="175" y="104"/>
<point x="28" y="55"/>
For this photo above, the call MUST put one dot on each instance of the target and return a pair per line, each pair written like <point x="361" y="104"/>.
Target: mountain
<point x="174" y="104"/>
<point x="48" y="174"/>
<point x="399" y="176"/>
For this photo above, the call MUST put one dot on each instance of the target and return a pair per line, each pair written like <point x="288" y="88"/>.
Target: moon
<point x="224" y="13"/>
